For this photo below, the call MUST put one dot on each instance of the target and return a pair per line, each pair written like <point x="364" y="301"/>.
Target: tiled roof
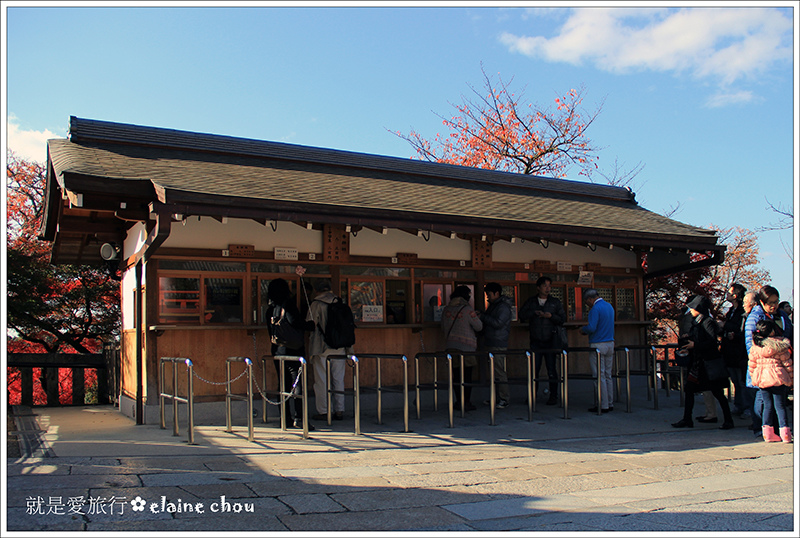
<point x="186" y="167"/>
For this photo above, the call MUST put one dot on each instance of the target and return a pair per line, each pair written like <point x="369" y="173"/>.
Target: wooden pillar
<point x="78" y="386"/>
<point x="50" y="377"/>
<point x="26" y="386"/>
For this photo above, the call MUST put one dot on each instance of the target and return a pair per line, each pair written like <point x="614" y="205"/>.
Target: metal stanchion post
<point x="190" y="398"/>
<point x="492" y="389"/>
<point x="531" y="384"/>
<point x="565" y="387"/>
<point x="655" y="378"/>
<point x="175" y="430"/>
<point x="450" y="388"/>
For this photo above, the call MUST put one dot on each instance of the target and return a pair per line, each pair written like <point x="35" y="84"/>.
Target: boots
<point x="786" y="434"/>
<point x="768" y="432"/>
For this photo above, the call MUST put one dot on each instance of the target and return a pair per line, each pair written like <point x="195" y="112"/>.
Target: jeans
<point x="606" y="350"/>
<point x="775" y="398"/>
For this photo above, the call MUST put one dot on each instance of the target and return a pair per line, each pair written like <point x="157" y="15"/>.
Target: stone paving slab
<point x="588" y="474"/>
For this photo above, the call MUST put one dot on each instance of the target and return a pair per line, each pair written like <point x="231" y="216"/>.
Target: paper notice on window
<point x="372" y="313"/>
<point x="585" y="278"/>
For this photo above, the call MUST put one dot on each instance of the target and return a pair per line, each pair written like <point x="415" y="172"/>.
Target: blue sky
<point x="703" y="97"/>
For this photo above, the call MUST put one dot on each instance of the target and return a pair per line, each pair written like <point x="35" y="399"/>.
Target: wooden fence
<point x="106" y="364"/>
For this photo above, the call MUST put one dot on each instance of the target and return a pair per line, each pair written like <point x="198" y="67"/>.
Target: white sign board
<point x="372" y="313"/>
<point x="285" y="253"/>
<point x="585" y="278"/>
<point x="564" y="266"/>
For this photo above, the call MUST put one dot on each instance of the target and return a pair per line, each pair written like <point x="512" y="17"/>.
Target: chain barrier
<point x="198" y="376"/>
<point x="290" y="394"/>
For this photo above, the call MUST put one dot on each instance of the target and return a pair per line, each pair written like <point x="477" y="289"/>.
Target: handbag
<point x="716" y="369"/>
<point x="283" y="333"/>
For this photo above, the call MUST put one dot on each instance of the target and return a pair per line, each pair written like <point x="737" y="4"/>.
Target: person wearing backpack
<point x="287" y="336"/>
<point x="319" y="349"/>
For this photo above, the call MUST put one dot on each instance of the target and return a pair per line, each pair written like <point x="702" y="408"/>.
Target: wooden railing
<point x="106" y="364"/>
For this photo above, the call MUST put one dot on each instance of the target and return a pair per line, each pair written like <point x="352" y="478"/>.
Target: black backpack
<point x="340" y="330"/>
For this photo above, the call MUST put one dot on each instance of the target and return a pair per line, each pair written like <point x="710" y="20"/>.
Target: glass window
<point x="375" y="271"/>
<point x="178" y="300"/>
<point x="435" y="297"/>
<point x="626" y="304"/>
<point x="202" y="265"/>
<point x="397" y="301"/>
<point x="366" y="301"/>
<point x="224" y="300"/>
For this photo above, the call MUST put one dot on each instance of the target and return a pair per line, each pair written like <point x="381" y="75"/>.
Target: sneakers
<point x="594" y="410"/>
<point x="683" y="423"/>
<point x="501" y="404"/>
<point x="299" y="425"/>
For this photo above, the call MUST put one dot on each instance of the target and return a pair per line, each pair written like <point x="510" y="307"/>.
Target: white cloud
<point x="29" y="145"/>
<point x="722" y="99"/>
<point x="723" y="44"/>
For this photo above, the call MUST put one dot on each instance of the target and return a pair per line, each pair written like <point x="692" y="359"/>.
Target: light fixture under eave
<point x="483" y="237"/>
<point x="453" y="235"/>
<point x="109" y="251"/>
<point x="309" y="226"/>
<point x="348" y="228"/>
<point x="513" y="239"/>
<point x="224" y="220"/>
<point x="611" y="246"/>
<point x="385" y="230"/>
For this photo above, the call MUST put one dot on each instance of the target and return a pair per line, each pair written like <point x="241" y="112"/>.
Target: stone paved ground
<point x="611" y="473"/>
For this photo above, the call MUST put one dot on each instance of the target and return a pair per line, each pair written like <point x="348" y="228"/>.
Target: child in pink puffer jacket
<point x="771" y="371"/>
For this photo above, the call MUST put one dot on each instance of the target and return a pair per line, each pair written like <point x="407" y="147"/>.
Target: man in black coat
<point x="545" y="316"/>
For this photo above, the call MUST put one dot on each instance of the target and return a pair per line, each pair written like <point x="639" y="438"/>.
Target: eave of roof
<point x="221" y="175"/>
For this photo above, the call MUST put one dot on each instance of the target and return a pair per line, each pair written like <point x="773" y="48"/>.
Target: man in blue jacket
<point x="600" y="329"/>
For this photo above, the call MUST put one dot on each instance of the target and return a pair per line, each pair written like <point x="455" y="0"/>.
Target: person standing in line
<point x="545" y="316"/>
<point x="496" y="330"/>
<point x="600" y="330"/>
<point x="684" y="326"/>
<point x="786" y="306"/>
<point x="766" y="307"/>
<point x="748" y="303"/>
<point x="460" y="326"/>
<point x="282" y="307"/>
<point x="702" y="345"/>
<point x="319" y="351"/>
<point x="732" y="345"/>
<point x="770" y="368"/>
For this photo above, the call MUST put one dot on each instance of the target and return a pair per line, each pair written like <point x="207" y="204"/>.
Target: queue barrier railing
<point x="229" y="396"/>
<point x="188" y="400"/>
<point x="528" y="381"/>
<point x="282" y="393"/>
<point x="668" y="368"/>
<point x="561" y="352"/>
<point x="649" y="371"/>
<point x="352" y="361"/>
<point x="379" y="388"/>
<point x="434" y="385"/>
<point x="566" y="376"/>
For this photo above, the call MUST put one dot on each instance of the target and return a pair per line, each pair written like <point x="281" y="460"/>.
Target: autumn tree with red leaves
<point x="667" y="296"/>
<point x="62" y="308"/>
<point x="497" y="130"/>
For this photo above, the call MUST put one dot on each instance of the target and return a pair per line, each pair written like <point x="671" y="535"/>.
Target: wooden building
<point x="199" y="225"/>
